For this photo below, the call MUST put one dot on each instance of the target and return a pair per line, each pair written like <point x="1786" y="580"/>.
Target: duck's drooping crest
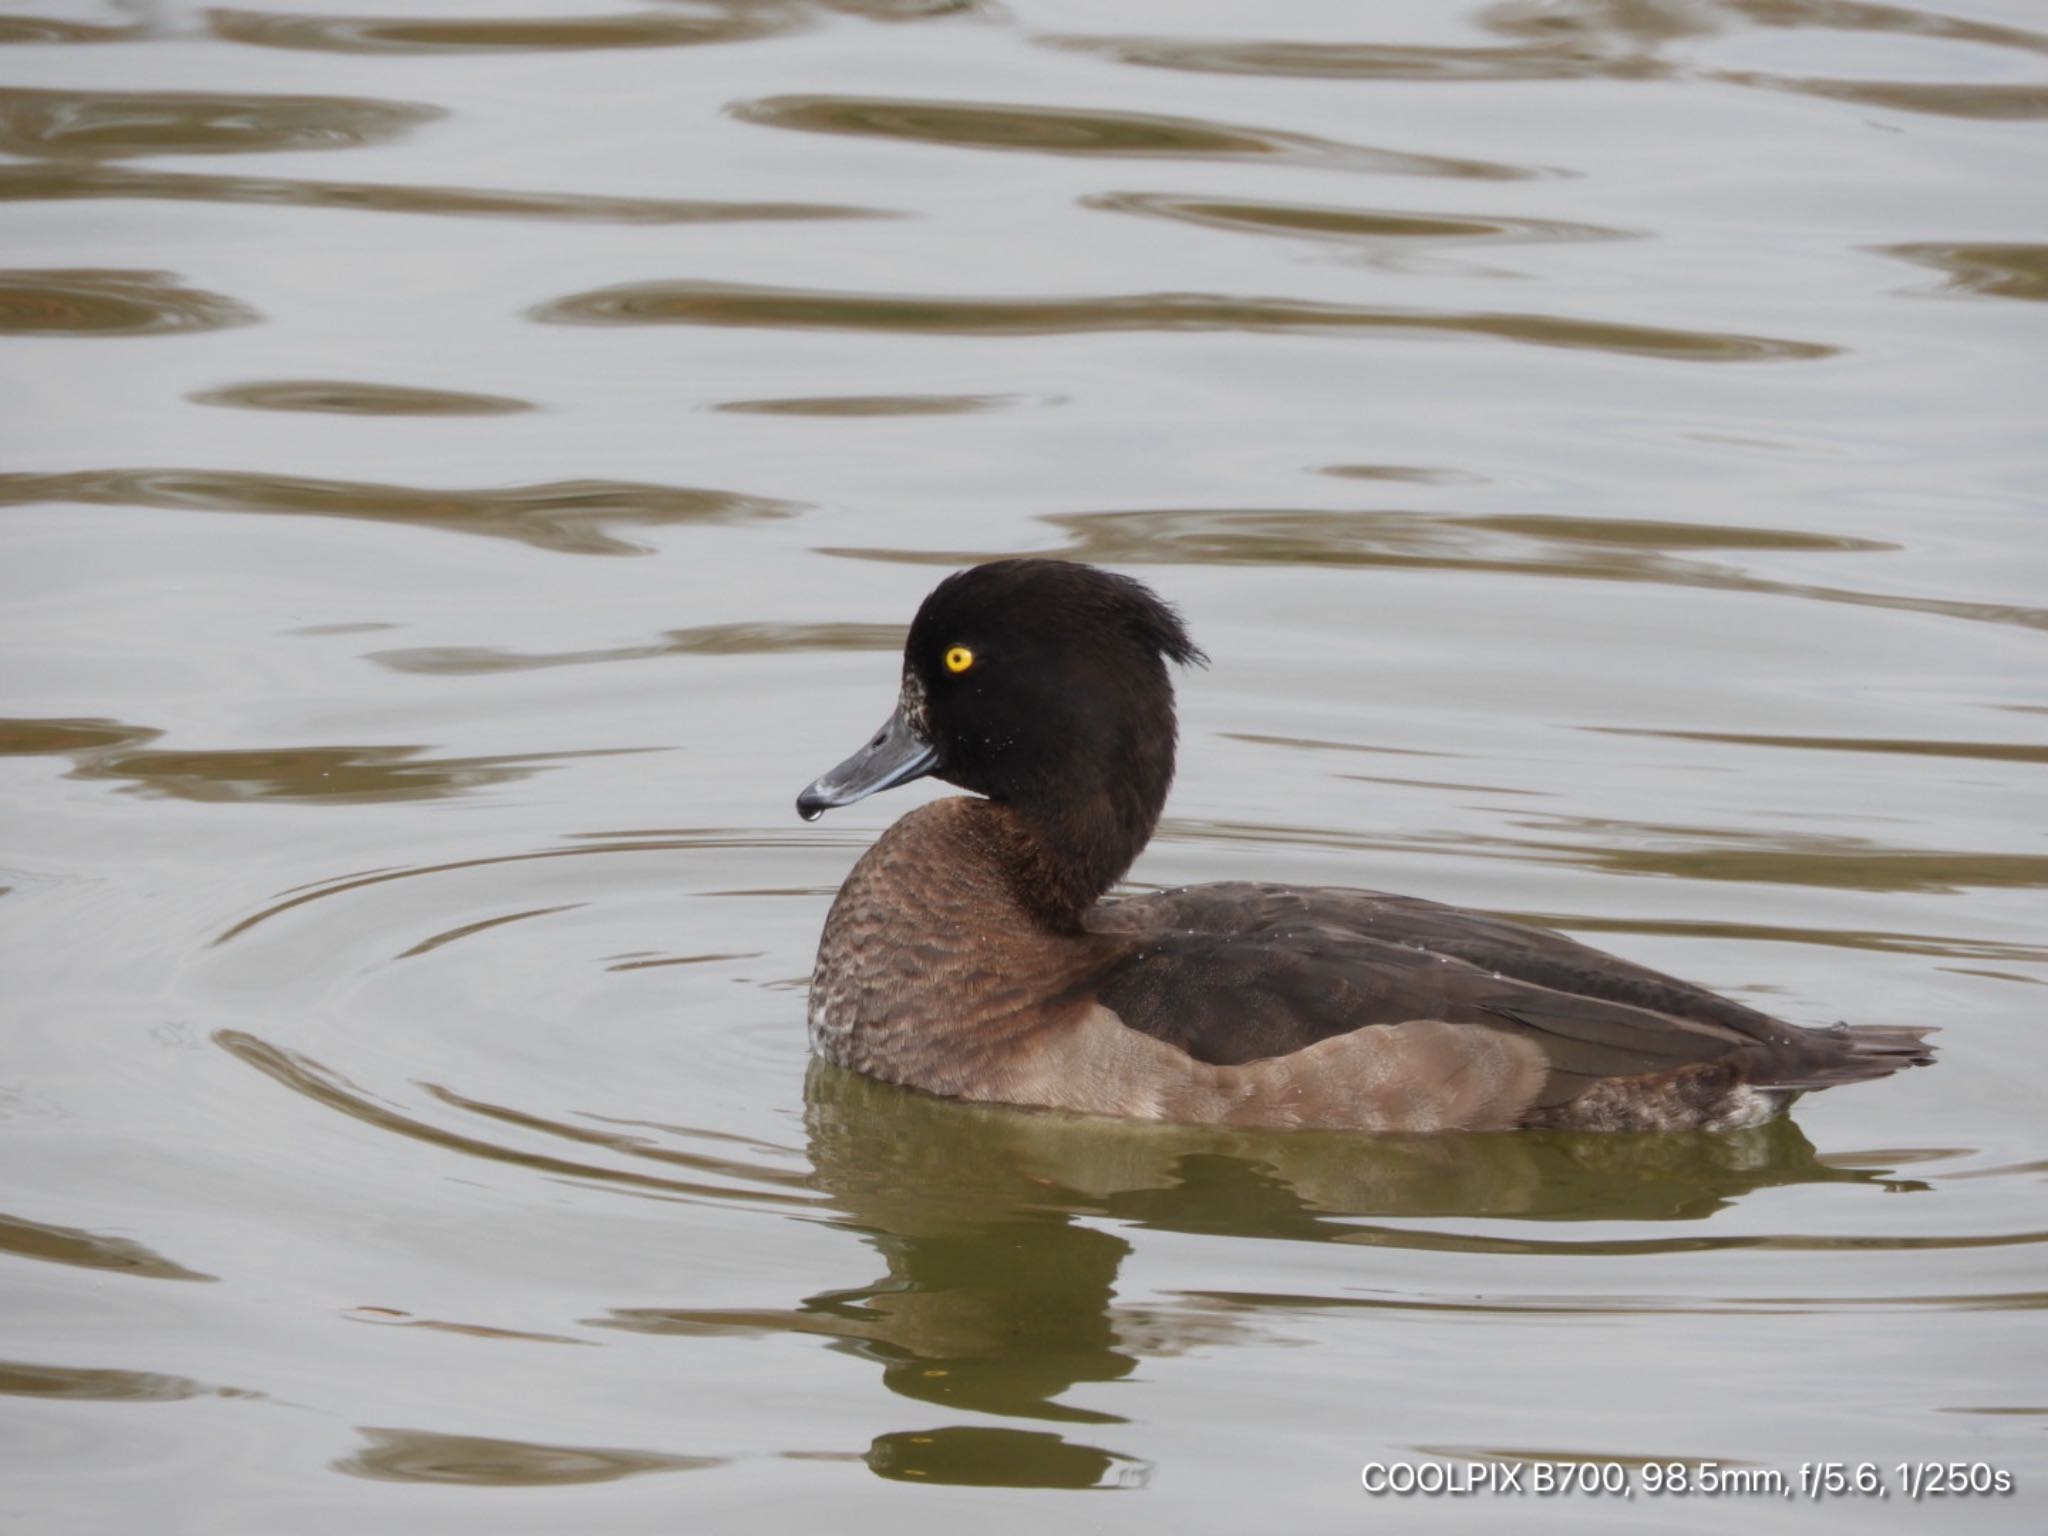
<point x="970" y="952"/>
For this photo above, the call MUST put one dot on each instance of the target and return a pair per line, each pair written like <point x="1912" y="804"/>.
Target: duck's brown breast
<point x="930" y="971"/>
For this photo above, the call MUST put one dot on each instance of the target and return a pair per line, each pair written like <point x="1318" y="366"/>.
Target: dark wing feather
<point x="1332" y="918"/>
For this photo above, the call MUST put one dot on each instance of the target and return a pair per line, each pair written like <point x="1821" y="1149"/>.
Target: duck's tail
<point x="1856" y="1053"/>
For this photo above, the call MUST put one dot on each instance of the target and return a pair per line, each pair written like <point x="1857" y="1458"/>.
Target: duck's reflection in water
<point x="1000" y="1230"/>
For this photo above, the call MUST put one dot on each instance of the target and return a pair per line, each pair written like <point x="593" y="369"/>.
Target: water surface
<point x="469" y="464"/>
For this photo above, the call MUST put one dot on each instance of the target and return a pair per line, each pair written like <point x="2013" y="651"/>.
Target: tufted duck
<point x="970" y="954"/>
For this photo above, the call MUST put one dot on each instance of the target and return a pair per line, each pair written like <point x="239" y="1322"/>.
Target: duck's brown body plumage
<point x="968" y="955"/>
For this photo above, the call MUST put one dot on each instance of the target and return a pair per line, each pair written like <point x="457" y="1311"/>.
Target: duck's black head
<point x="1041" y="684"/>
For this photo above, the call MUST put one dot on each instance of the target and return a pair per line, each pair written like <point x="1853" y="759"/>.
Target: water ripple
<point x="99" y="1384"/>
<point x="2008" y="271"/>
<point x="495" y="34"/>
<point x="567" y="516"/>
<point x="1983" y="751"/>
<point x="84" y="1249"/>
<point x="101" y="125"/>
<point x="1966" y="99"/>
<point x="474" y="1461"/>
<point x="590" y="844"/>
<point x="1074" y="131"/>
<point x="706" y="639"/>
<point x="303" y="1075"/>
<point x="343" y="398"/>
<point x="1563" y="59"/>
<point x="84" y="301"/>
<point x="1653" y="22"/>
<point x="49" y="29"/>
<point x="1628" y="1304"/>
<point x="323" y="775"/>
<point x="871" y="405"/>
<point x="1590" y="549"/>
<point x="354" y="775"/>
<point x="1620" y="847"/>
<point x="685" y="302"/>
<point x="53" y="181"/>
<point x="1350" y="225"/>
<point x="1600" y="40"/>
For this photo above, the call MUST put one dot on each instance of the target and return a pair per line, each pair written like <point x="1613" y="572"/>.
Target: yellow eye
<point x="959" y="659"/>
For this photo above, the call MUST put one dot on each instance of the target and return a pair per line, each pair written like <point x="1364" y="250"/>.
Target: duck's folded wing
<point x="1338" y="919"/>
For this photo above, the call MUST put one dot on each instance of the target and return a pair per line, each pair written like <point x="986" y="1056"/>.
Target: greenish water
<point x="468" y="466"/>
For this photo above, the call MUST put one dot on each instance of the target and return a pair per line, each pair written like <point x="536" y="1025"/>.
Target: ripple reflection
<point x="863" y="406"/>
<point x="1602" y="40"/>
<point x="56" y="181"/>
<point x="318" y="775"/>
<point x="745" y="639"/>
<point x="567" y="516"/>
<point x="428" y="1456"/>
<point x="343" y="398"/>
<point x="85" y="1249"/>
<point x="1982" y="751"/>
<point x="50" y="29"/>
<point x="110" y="124"/>
<point x="740" y="304"/>
<point x="1988" y="103"/>
<point x="1682" y="852"/>
<point x="304" y="1075"/>
<point x="1658" y="21"/>
<point x="1370" y="227"/>
<point x="1592" y="549"/>
<point x="1561" y="59"/>
<point x="1995" y="271"/>
<point x="347" y="775"/>
<point x="97" y="1384"/>
<point x="493" y="34"/>
<point x="84" y="301"/>
<point x="1073" y="131"/>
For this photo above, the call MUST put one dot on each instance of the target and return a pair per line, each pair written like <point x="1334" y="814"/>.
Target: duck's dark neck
<point x="1073" y="846"/>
